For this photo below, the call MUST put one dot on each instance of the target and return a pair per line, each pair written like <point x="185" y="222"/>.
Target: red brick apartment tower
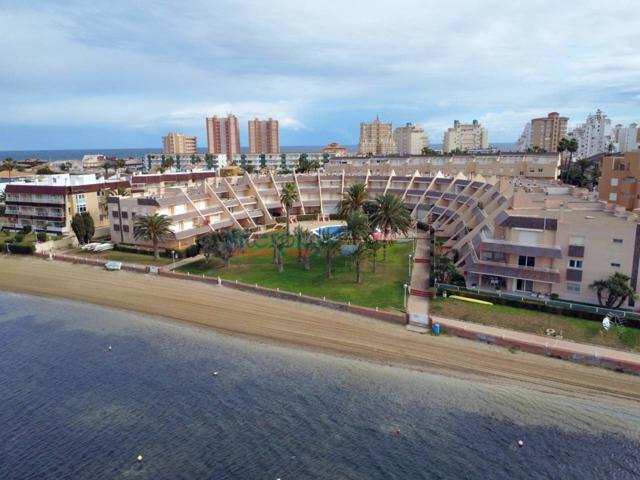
<point x="264" y="136"/>
<point x="223" y="135"/>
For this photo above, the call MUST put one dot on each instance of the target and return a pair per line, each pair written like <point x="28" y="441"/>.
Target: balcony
<point x="508" y="247"/>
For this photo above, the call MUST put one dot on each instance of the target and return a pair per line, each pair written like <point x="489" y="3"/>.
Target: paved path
<point x="180" y="263"/>
<point x="537" y="342"/>
<point x="418" y="306"/>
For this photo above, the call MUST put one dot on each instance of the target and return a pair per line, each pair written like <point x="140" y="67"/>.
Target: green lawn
<point x="532" y="321"/>
<point x="384" y="289"/>
<point x="125" y="257"/>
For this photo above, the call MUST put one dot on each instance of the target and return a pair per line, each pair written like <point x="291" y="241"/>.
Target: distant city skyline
<point x="82" y="75"/>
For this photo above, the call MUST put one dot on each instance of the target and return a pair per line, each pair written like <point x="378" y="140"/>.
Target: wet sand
<point x="272" y="320"/>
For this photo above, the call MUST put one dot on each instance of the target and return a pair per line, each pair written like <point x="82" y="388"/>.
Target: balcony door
<point x="525" y="261"/>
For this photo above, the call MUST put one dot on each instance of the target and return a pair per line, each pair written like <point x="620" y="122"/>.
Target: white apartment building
<point x="626" y="139"/>
<point x="466" y="136"/>
<point x="410" y="139"/>
<point x="593" y="136"/>
<point x="524" y="141"/>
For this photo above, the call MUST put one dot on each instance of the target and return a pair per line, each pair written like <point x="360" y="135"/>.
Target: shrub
<point x="19" y="238"/>
<point x="22" y="249"/>
<point x="41" y="236"/>
<point x="26" y="229"/>
<point x="554" y="296"/>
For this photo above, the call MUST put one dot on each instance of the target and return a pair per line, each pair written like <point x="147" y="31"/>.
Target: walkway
<point x="539" y="344"/>
<point x="180" y="263"/>
<point x="418" y="303"/>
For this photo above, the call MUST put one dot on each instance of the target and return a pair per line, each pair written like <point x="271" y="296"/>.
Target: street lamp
<point x="405" y="296"/>
<point x="173" y="256"/>
<point x="410" y="263"/>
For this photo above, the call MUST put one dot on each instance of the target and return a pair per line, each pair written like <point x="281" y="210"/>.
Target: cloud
<point x="319" y="68"/>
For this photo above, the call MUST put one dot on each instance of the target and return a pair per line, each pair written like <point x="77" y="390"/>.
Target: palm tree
<point x="9" y="164"/>
<point x="390" y="216"/>
<point x="118" y="192"/>
<point x="359" y="229"/>
<point x="617" y="289"/>
<point x="155" y="228"/>
<point x="330" y="245"/>
<point x="571" y="146"/>
<point x="373" y="246"/>
<point x="288" y="197"/>
<point x="353" y="199"/>
<point x="106" y="166"/>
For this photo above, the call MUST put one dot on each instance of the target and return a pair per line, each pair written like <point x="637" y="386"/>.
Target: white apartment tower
<point x="594" y="135"/>
<point x="626" y="139"/>
<point x="466" y="136"/>
<point x="524" y="141"/>
<point x="410" y="139"/>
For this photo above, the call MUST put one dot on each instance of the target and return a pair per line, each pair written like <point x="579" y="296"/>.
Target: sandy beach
<point x="271" y="320"/>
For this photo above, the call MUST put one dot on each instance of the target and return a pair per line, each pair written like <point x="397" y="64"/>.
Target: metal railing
<point x="576" y="307"/>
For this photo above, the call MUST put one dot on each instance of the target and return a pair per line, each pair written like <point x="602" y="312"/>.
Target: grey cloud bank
<point x="122" y="73"/>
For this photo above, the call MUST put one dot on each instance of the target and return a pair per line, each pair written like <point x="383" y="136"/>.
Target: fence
<point x="591" y="312"/>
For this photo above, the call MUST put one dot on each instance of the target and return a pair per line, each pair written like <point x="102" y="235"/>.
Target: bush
<point x="554" y="296"/>
<point x="22" y="249"/>
<point x="41" y="236"/>
<point x="19" y="238"/>
<point x="26" y="229"/>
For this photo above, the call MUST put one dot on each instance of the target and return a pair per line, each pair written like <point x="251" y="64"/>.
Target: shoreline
<point x="312" y="328"/>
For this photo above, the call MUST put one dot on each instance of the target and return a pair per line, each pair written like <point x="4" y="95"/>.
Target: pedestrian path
<point x="418" y="302"/>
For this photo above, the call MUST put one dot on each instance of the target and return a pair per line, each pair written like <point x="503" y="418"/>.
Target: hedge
<point x="301" y="218"/>
<point x="22" y="249"/>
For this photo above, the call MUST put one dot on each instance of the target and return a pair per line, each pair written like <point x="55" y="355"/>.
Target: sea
<point x="56" y="155"/>
<point x="70" y="408"/>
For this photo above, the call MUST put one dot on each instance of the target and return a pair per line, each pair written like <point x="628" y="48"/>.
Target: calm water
<point x="69" y="409"/>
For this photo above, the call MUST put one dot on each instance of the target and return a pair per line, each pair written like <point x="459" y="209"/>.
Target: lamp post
<point x="410" y="263"/>
<point x="173" y="256"/>
<point x="405" y="296"/>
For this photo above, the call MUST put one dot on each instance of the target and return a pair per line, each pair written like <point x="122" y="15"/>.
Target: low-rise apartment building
<point x="619" y="180"/>
<point x="541" y="166"/>
<point x="49" y="203"/>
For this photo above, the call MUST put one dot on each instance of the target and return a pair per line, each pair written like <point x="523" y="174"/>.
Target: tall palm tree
<point x="330" y="245"/>
<point x="359" y="229"/>
<point x="390" y="216"/>
<point x="353" y="199"/>
<point x="288" y="197"/>
<point x="571" y="146"/>
<point x="106" y="166"/>
<point x="155" y="228"/>
<point x="9" y="164"/>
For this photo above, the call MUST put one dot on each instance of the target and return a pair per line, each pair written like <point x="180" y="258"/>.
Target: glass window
<point x="576" y="240"/>
<point x="618" y="240"/>
<point x="81" y="208"/>
<point x="115" y="214"/>
<point x="613" y="196"/>
<point x="615" y="265"/>
<point x="524" y="285"/>
<point x="575" y="263"/>
<point x="573" y="287"/>
<point x="525" y="261"/>
<point x="614" y="182"/>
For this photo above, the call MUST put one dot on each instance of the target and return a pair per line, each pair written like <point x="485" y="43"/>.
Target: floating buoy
<point x="215" y="374"/>
<point x="520" y="443"/>
<point x="139" y="458"/>
<point x="109" y="348"/>
<point x="398" y="430"/>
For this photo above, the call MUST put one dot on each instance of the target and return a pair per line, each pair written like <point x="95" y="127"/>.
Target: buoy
<point x="520" y="443"/>
<point x="139" y="458"/>
<point x="109" y="348"/>
<point x="398" y="430"/>
<point x="215" y="374"/>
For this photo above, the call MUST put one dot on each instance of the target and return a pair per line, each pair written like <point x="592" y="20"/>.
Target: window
<point x="81" y="208"/>
<point x="525" y="261"/>
<point x="125" y="215"/>
<point x="573" y="287"/>
<point x="615" y="265"/>
<point x="540" y="170"/>
<point x="524" y="285"/>
<point x="80" y="197"/>
<point x="576" y="240"/>
<point x="125" y="228"/>
<point x="575" y="263"/>
<point x="618" y="240"/>
<point x="115" y="214"/>
<point x="613" y="196"/>
<point x="116" y="227"/>
<point x="614" y="182"/>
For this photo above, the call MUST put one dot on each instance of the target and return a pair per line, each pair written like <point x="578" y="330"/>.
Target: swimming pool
<point x="330" y="230"/>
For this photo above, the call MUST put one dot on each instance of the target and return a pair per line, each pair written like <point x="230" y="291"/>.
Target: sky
<point x="116" y="74"/>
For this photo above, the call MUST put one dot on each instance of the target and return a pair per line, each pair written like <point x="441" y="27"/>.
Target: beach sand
<point x="272" y="320"/>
